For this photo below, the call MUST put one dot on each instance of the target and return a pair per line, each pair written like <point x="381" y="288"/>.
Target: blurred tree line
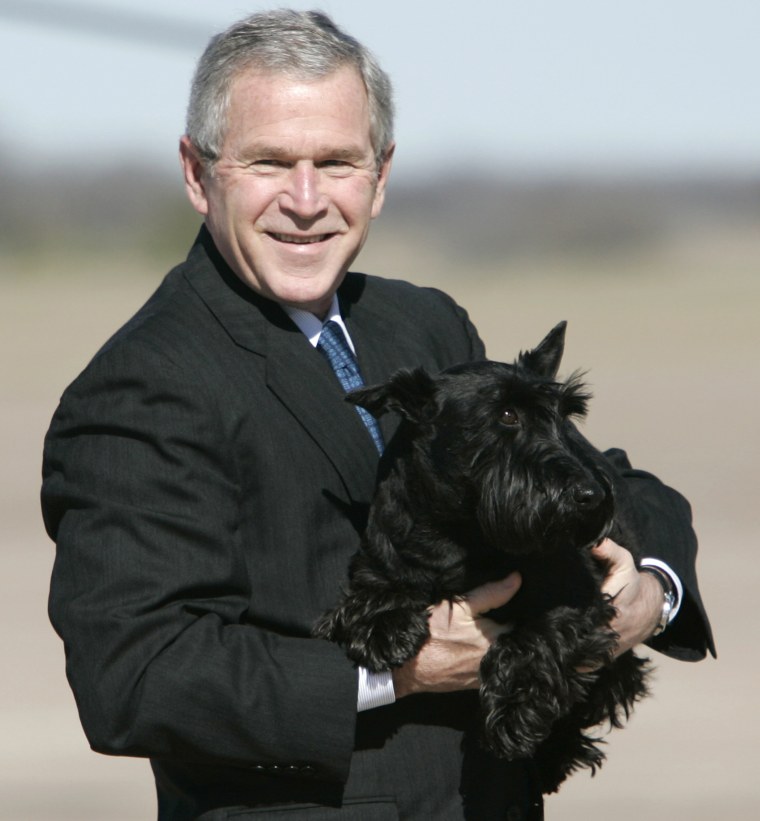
<point x="55" y="219"/>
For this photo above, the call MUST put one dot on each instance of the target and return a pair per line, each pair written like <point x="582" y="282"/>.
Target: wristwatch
<point x="669" y="593"/>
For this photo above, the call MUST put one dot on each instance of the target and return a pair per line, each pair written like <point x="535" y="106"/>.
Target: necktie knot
<point x="334" y="346"/>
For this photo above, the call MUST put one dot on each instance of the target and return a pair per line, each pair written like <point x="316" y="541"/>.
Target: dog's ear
<point x="408" y="392"/>
<point x="545" y="358"/>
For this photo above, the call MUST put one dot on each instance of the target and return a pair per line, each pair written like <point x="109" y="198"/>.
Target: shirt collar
<point x="311" y="325"/>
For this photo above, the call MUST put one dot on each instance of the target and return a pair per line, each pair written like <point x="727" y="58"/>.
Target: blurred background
<point x="589" y="161"/>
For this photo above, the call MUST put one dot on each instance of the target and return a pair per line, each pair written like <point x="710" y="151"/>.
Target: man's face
<point x="290" y="200"/>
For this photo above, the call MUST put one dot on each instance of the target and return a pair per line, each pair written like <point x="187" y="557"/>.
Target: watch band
<point x="669" y="596"/>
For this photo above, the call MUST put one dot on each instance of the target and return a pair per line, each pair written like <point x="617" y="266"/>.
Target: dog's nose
<point x="588" y="494"/>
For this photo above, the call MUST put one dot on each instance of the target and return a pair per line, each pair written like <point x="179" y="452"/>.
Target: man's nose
<point x="303" y="194"/>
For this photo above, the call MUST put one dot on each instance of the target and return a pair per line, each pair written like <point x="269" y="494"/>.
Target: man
<point x="206" y="484"/>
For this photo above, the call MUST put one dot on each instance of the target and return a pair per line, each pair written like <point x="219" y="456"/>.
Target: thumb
<point x="491" y="595"/>
<point x="603" y="550"/>
<point x="609" y="554"/>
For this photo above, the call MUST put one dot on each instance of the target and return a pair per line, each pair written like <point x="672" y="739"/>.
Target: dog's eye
<point x="509" y="417"/>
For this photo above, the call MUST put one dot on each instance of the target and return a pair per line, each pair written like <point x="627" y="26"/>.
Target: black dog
<point x="487" y="474"/>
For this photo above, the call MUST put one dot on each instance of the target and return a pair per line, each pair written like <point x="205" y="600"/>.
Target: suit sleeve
<point x="660" y="519"/>
<point x="149" y="588"/>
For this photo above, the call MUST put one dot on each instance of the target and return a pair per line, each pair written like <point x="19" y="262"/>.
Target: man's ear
<point x="410" y="393"/>
<point x="382" y="180"/>
<point x="545" y="358"/>
<point x="193" y="171"/>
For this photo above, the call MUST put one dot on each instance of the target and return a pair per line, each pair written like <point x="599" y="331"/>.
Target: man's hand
<point x="459" y="638"/>
<point x="637" y="596"/>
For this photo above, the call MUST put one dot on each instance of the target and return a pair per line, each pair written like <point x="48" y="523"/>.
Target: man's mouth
<point x="294" y="239"/>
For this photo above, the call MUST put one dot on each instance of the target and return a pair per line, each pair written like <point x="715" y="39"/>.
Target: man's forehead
<point x="266" y="107"/>
<point x="254" y="75"/>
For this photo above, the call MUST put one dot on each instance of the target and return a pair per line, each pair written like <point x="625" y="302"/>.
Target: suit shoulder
<point x="389" y="288"/>
<point x="169" y="305"/>
<point x="398" y="297"/>
<point x="424" y="317"/>
<point x="158" y="337"/>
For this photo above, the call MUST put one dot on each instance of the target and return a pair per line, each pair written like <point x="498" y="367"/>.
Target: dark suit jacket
<point x="206" y="485"/>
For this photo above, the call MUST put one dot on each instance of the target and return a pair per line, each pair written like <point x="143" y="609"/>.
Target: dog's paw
<point x="392" y="638"/>
<point x="616" y="690"/>
<point x="518" y="698"/>
<point x="566" y="751"/>
<point x="531" y="678"/>
<point x="376" y="637"/>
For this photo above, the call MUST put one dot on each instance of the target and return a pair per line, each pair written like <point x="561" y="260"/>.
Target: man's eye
<point x="336" y="168"/>
<point x="267" y="165"/>
<point x="510" y="418"/>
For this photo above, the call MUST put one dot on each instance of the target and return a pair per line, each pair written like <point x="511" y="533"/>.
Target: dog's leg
<point x="566" y="750"/>
<point x="379" y="628"/>
<point x="533" y="675"/>
<point x="615" y="691"/>
<point x="610" y="699"/>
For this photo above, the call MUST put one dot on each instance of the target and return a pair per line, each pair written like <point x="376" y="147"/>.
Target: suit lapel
<point x="296" y="373"/>
<point x="379" y="350"/>
<point x="304" y="382"/>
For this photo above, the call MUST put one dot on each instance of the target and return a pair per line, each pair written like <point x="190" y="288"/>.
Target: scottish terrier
<point x="487" y="474"/>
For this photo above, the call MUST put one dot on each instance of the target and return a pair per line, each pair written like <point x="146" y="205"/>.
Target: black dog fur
<point x="486" y="474"/>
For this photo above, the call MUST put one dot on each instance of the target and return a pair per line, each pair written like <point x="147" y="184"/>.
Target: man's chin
<point x="314" y="296"/>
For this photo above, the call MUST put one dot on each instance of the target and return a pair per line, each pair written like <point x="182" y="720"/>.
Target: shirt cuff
<point x="677" y="586"/>
<point x="375" y="689"/>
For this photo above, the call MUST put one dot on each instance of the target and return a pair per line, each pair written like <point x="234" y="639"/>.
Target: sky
<point x="481" y="85"/>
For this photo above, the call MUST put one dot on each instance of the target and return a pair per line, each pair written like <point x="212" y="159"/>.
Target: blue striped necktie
<point x="332" y="343"/>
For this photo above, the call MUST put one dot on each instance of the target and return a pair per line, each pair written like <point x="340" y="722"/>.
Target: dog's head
<point x="494" y="444"/>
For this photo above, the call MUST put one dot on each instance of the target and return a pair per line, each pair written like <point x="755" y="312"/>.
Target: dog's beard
<point x="520" y="514"/>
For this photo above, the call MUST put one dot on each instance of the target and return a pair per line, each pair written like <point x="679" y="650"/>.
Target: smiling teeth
<point x="299" y="240"/>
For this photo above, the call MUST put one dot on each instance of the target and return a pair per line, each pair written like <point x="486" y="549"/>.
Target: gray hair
<point x="303" y="44"/>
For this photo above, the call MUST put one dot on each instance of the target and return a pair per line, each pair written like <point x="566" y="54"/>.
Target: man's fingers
<point x="606" y="550"/>
<point x="491" y="595"/>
